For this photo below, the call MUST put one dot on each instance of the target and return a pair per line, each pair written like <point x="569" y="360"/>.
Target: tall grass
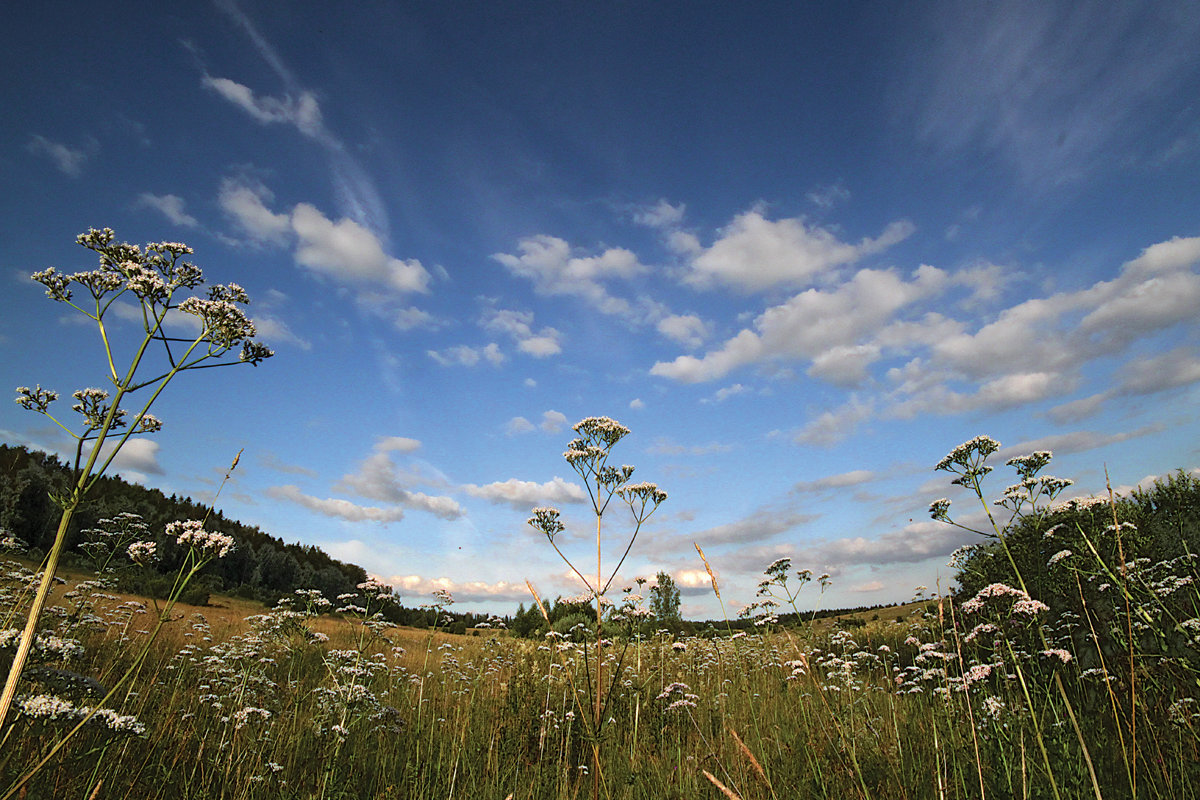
<point x="1084" y="683"/>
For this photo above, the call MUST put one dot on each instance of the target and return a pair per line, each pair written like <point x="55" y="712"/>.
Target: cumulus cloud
<point x="518" y="325"/>
<point x="524" y="495"/>
<point x="636" y="403"/>
<point x="349" y="253"/>
<point x="335" y="507"/>
<point x="811" y="323"/>
<point x="377" y="479"/>
<point x="406" y="319"/>
<point x="548" y="263"/>
<point x="832" y="426"/>
<point x="754" y="253"/>
<point x="686" y="329"/>
<point x="170" y="206"/>
<point x="518" y="425"/>
<point x="245" y="202"/>
<point x="660" y="215"/>
<point x="68" y="160"/>
<point x="553" y="421"/>
<point x="138" y="455"/>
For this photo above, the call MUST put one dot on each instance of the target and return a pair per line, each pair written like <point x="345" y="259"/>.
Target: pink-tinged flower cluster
<point x="680" y="695"/>
<point x="1022" y="605"/>
<point x="210" y="543"/>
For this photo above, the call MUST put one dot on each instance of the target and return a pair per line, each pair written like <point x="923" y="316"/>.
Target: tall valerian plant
<point x="588" y="455"/>
<point x="164" y="289"/>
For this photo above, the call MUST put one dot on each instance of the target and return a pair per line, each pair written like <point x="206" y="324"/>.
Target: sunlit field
<point x="995" y="693"/>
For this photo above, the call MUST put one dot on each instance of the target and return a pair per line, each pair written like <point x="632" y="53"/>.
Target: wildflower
<point x="962" y="455"/>
<point x="35" y="399"/>
<point x="994" y="706"/>
<point x="1062" y="655"/>
<point x="209" y="543"/>
<point x="143" y="552"/>
<point x="1061" y="555"/>
<point x="938" y="509"/>
<point x="546" y="520"/>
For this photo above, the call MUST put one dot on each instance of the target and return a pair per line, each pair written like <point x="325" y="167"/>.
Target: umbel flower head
<point x="154" y="274"/>
<point x="547" y="521"/>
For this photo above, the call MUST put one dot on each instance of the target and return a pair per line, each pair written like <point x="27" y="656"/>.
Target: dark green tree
<point x="664" y="599"/>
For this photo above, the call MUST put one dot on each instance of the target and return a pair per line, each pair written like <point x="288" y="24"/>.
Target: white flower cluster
<point x="209" y="543"/>
<point x="45" y="643"/>
<point x="143" y="552"/>
<point x="51" y="708"/>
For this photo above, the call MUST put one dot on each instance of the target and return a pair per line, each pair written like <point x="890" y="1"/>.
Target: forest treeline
<point x="262" y="567"/>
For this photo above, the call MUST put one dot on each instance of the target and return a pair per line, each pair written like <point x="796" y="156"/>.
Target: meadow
<point x="957" y="696"/>
<point x="1065" y="665"/>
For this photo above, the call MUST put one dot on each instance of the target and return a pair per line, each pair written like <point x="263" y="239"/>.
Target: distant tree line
<point x="262" y="567"/>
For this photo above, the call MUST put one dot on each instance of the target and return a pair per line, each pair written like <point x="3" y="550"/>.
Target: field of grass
<point x="293" y="704"/>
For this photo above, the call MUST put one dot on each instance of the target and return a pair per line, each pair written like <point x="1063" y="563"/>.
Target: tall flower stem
<point x="154" y="276"/>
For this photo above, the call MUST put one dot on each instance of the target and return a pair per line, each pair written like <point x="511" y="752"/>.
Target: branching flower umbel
<point x="161" y="282"/>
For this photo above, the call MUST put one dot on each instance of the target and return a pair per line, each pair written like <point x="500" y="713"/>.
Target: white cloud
<point x="834" y="425"/>
<point x="754" y="253"/>
<point x="1073" y="442"/>
<point x="548" y="263"/>
<point x="686" y="329"/>
<point x="1179" y="367"/>
<point x="553" y="421"/>
<point x="138" y="455"/>
<point x="465" y="356"/>
<point x="334" y="507"/>
<point x="1077" y="410"/>
<point x="870" y="586"/>
<point x="245" y="201"/>
<point x="349" y="253"/>
<point x="524" y="495"/>
<point x="840" y="481"/>
<point x="69" y="160"/>
<point x="636" y="403"/>
<point x="543" y="345"/>
<point x="518" y="425"/>
<point x="170" y="206"/>
<point x="1052" y="91"/>
<point x="302" y="111"/>
<point x="397" y="444"/>
<point x="812" y="323"/>
<point x="661" y="215"/>
<point x="408" y="318"/>
<point x="377" y="479"/>
<point x="275" y="331"/>
<point x="828" y="196"/>
<point x="517" y="324"/>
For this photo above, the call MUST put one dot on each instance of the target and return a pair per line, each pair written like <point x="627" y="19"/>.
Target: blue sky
<point x="801" y="252"/>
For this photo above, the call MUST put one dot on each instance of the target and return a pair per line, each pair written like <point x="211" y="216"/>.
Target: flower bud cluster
<point x="547" y="521"/>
